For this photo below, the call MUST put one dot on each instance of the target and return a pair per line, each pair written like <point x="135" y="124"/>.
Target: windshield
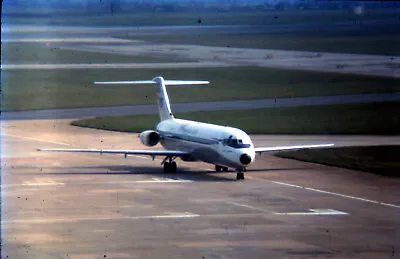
<point x="235" y="143"/>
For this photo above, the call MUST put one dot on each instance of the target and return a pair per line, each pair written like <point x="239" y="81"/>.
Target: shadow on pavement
<point x="182" y="173"/>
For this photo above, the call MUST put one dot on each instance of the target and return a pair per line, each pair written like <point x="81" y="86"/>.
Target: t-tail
<point x="164" y="108"/>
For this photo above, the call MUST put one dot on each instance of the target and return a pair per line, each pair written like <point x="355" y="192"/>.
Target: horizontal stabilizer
<point x="166" y="82"/>
<point x="185" y="82"/>
<point x="163" y="104"/>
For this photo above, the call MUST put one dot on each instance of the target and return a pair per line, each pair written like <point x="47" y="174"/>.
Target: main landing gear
<point x="170" y="166"/>
<point x="240" y="174"/>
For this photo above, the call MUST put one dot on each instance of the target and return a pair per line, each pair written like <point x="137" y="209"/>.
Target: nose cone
<point x="245" y="159"/>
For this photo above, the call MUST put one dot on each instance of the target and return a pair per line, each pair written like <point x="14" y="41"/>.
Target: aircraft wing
<point x="288" y="148"/>
<point x="152" y="153"/>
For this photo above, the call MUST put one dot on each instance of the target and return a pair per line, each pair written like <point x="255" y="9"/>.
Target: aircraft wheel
<point x="166" y="167"/>
<point x="218" y="168"/>
<point x="173" y="167"/>
<point x="225" y="169"/>
<point x="240" y="176"/>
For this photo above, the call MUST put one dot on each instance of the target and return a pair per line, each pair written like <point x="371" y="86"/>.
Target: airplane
<point x="225" y="147"/>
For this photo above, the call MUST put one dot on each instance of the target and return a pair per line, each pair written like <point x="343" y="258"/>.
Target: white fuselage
<point x="215" y="144"/>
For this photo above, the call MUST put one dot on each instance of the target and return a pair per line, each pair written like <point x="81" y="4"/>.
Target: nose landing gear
<point x="240" y="174"/>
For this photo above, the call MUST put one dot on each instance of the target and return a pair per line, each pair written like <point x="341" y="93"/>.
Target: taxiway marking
<point x="248" y="206"/>
<point x="312" y="212"/>
<point x="51" y="183"/>
<point x="58" y="220"/>
<point x="165" y="180"/>
<point x="336" y="194"/>
<point x="154" y="180"/>
<point x="41" y="183"/>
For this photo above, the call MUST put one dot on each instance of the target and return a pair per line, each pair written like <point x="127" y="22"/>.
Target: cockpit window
<point x="235" y="143"/>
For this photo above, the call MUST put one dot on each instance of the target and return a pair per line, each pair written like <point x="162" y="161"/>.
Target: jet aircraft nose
<point x="245" y="159"/>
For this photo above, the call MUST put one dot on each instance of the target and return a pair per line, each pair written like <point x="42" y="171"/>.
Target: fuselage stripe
<point x="188" y="138"/>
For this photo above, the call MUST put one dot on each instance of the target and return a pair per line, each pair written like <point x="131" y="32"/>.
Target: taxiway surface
<point x="57" y="205"/>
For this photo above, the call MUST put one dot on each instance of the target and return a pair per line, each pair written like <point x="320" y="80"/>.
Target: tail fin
<point x="164" y="108"/>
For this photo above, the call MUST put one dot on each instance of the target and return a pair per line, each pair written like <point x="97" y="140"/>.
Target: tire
<point x="240" y="176"/>
<point x="166" y="167"/>
<point x="173" y="167"/>
<point x="225" y="169"/>
<point x="218" y="168"/>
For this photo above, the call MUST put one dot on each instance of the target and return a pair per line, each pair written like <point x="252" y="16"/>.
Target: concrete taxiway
<point x="208" y="56"/>
<point x="58" y="205"/>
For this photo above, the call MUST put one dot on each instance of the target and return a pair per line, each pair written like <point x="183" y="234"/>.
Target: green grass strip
<point x="46" y="89"/>
<point x="135" y="17"/>
<point x="383" y="160"/>
<point x="369" y="118"/>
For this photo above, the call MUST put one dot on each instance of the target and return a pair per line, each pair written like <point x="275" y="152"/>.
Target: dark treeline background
<point x="122" y="6"/>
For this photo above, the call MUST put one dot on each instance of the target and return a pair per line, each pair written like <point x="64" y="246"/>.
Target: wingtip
<point x="324" y="145"/>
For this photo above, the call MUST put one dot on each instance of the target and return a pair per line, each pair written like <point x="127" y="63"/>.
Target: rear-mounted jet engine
<point x="149" y="138"/>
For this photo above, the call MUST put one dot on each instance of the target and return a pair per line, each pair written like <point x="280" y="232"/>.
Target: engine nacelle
<point x="149" y="138"/>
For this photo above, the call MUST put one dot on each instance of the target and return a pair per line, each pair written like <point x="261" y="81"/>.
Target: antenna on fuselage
<point x="163" y="104"/>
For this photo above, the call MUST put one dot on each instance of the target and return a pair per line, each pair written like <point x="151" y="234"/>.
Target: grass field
<point x="370" y="118"/>
<point x="85" y="17"/>
<point x="40" y="53"/>
<point x="44" y="89"/>
<point x="383" y="160"/>
<point x="376" y="30"/>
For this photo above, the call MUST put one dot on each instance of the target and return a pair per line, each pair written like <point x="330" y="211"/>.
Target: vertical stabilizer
<point x="164" y="108"/>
